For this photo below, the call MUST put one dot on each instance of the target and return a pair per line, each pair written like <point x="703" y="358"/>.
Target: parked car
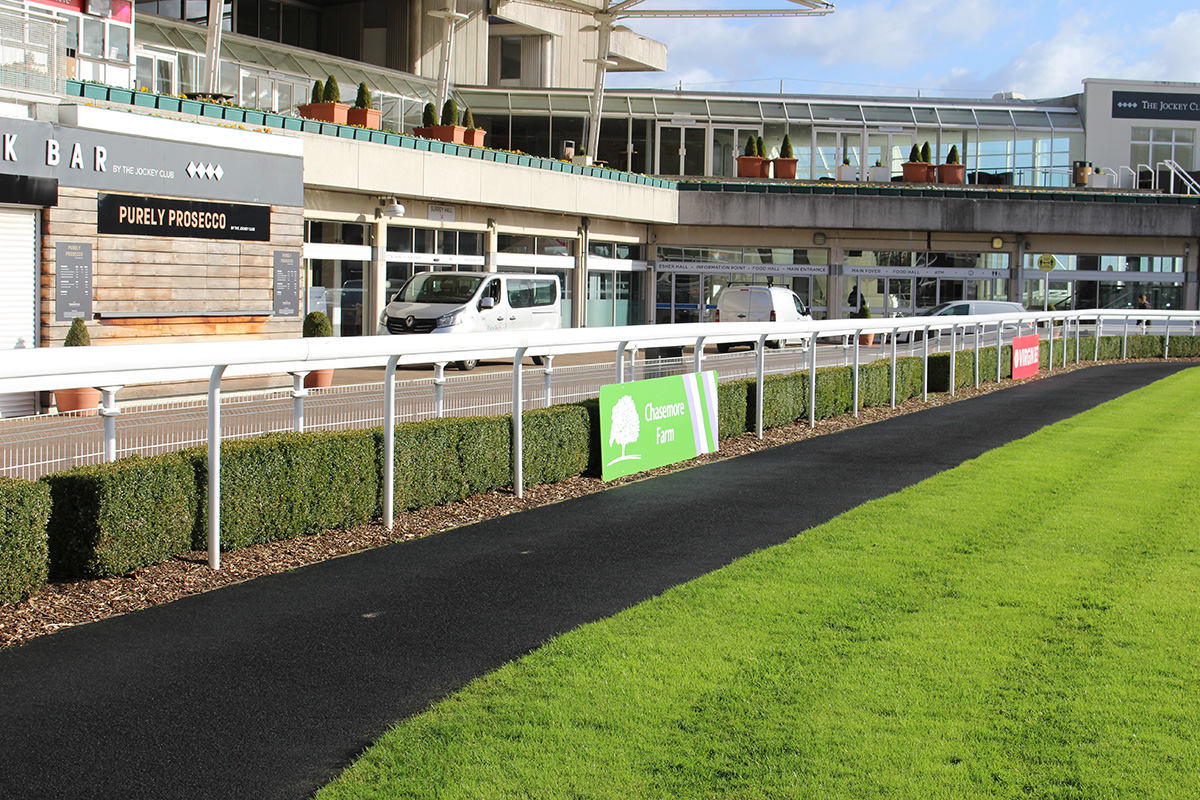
<point x="760" y="304"/>
<point x="964" y="308"/>
<point x="468" y="302"/>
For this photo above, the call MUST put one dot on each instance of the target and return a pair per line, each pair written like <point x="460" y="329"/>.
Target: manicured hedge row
<point x="110" y="519"/>
<point x="284" y="485"/>
<point x="24" y="558"/>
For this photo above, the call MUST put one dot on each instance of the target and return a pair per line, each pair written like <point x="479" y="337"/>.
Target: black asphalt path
<point x="268" y="688"/>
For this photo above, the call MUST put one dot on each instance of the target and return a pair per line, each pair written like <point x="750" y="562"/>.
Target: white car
<point x="965" y="308"/>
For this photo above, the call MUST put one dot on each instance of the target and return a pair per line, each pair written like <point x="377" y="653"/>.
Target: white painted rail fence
<point x="112" y="368"/>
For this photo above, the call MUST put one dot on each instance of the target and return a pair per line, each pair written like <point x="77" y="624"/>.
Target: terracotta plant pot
<point x="318" y="379"/>
<point x="915" y="172"/>
<point x="764" y="168"/>
<point x="365" y="117"/>
<point x="325" y="112"/>
<point x="866" y="339"/>
<point x="80" y="402"/>
<point x="749" y="167"/>
<point x="951" y="173"/>
<point x="474" y="137"/>
<point x="454" y="134"/>
<point x="785" y="168"/>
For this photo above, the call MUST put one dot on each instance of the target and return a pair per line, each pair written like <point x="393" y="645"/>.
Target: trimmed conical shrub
<point x="450" y="112"/>
<point x="926" y="154"/>
<point x="953" y="157"/>
<point x="316" y="325"/>
<point x="332" y="93"/>
<point x="468" y="120"/>
<point x="318" y="92"/>
<point x="78" y="335"/>
<point x="429" y="116"/>
<point x="785" y="150"/>
<point x="762" y="147"/>
<point x="364" y="97"/>
<point x="914" y="155"/>
<point x="751" y="147"/>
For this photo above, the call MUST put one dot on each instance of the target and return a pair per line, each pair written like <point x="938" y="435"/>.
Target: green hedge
<point x="24" y="556"/>
<point x="285" y="485"/>
<point x="111" y="519"/>
<point x="445" y="460"/>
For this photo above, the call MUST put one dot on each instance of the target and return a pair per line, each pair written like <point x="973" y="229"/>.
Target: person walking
<point x="1144" y="303"/>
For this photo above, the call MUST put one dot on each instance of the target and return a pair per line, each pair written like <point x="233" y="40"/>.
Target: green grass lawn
<point x="1027" y="625"/>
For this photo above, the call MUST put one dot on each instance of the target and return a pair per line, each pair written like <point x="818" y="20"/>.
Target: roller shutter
<point x="18" y="295"/>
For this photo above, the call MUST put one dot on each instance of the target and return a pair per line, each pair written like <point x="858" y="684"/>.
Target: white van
<point x="469" y="302"/>
<point x="760" y="304"/>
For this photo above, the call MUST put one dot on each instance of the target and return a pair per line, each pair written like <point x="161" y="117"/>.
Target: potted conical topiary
<point x="316" y="325"/>
<point x="449" y="130"/>
<point x="952" y="171"/>
<point x="330" y="107"/>
<point x="81" y="402"/>
<point x="864" y="312"/>
<point x="474" y="135"/>
<point x="927" y="160"/>
<point x="362" y="114"/>
<point x="785" y="164"/>
<point x="749" y="164"/>
<point x="764" y="169"/>
<point x="915" y="170"/>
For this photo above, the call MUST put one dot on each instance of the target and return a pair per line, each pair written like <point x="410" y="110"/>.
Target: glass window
<point x="994" y="118"/>
<point x="1065" y="120"/>
<point x="553" y="246"/>
<point x="888" y="114"/>
<point x="831" y="112"/>
<point x="600" y="249"/>
<point x="470" y="244"/>
<point x="510" y="58"/>
<point x="424" y="241"/>
<point x="508" y="243"/>
<point x="93" y="38"/>
<point x="118" y="43"/>
<point x="798" y="111"/>
<point x="1031" y="119"/>
<point x="399" y="240"/>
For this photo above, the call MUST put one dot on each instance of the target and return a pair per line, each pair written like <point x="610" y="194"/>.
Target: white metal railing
<point x="1178" y="173"/>
<point x="114" y="367"/>
<point x="32" y="44"/>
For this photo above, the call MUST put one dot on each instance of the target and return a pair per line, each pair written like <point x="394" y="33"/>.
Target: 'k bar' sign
<point x="647" y="424"/>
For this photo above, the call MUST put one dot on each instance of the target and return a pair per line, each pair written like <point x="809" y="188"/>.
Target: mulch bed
<point x="63" y="604"/>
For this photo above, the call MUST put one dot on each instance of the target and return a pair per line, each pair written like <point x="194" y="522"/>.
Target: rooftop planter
<point x="326" y="104"/>
<point x="749" y="165"/>
<point x="362" y="114"/>
<point x="952" y="171"/>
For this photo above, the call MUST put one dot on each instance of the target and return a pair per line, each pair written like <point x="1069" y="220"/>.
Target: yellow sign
<point x="1046" y="263"/>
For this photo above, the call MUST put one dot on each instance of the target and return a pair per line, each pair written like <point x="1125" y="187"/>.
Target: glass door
<point x="727" y="145"/>
<point x="837" y="155"/>
<point x="681" y="150"/>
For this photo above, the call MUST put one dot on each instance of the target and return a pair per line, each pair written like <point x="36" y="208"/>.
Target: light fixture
<point x="818" y="238"/>
<point x="391" y="208"/>
<point x="997" y="243"/>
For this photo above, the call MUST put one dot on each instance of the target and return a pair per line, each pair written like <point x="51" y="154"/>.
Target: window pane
<point x="93" y="38"/>
<point x="510" y="57"/>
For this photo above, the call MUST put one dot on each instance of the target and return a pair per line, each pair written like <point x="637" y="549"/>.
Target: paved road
<point x="268" y="688"/>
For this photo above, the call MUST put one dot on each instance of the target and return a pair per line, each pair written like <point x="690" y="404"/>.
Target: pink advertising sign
<point x="1026" y="354"/>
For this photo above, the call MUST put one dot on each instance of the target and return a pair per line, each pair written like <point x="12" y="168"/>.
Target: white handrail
<point x="1182" y="174"/>
<point x="45" y="369"/>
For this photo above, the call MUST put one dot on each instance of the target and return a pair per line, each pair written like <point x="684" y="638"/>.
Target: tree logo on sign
<point x="624" y="428"/>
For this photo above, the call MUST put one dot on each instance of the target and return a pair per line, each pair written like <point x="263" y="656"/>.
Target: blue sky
<point x="943" y="48"/>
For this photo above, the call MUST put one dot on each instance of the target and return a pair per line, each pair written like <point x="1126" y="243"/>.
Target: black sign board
<point x="73" y="280"/>
<point x="286" y="295"/>
<point x="196" y="219"/>
<point x="1156" y="105"/>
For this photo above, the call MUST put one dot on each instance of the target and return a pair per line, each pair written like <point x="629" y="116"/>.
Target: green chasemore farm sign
<point x="647" y="424"/>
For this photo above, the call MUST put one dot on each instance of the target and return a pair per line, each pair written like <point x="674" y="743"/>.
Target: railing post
<point x="953" y="359"/>
<point x="298" y="395"/>
<point x="977" y="329"/>
<point x="760" y="372"/>
<point x="517" y="444"/>
<point x="854" y="371"/>
<point x="698" y="355"/>
<point x="894" y="346"/>
<point x="631" y="352"/>
<point x="214" y="467"/>
<point x="1050" y="344"/>
<point x="621" y="360"/>
<point x="1167" y="342"/>
<point x="1099" y="327"/>
<point x="108" y="414"/>
<point x="1125" y="339"/>
<point x="812" y="383"/>
<point x="925" y="366"/>
<point x="547" y="376"/>
<point x="1078" y="334"/>
<point x="439" y="387"/>
<point x="999" y="350"/>
<point x="389" y="442"/>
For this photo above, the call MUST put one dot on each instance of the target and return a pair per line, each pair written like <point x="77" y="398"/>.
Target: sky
<point x="927" y="48"/>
